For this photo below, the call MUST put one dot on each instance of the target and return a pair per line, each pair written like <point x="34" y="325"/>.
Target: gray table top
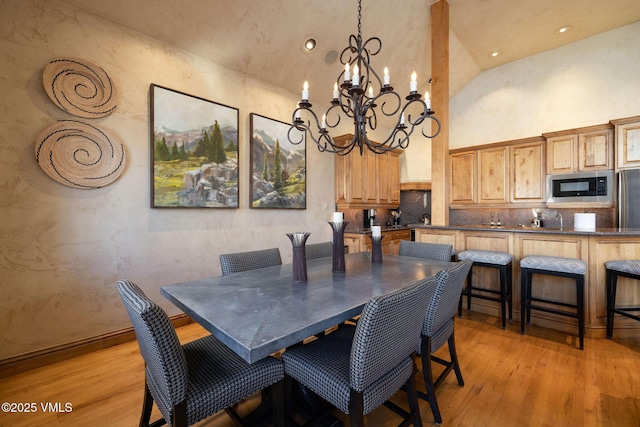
<point x="259" y="312"/>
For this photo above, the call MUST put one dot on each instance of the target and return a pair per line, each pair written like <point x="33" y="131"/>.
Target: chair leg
<point x="427" y="373"/>
<point x="510" y="290"/>
<point x="412" y="396"/>
<point x="278" y="399"/>
<point x="580" y="302"/>
<point x="612" y="282"/>
<point x="356" y="409"/>
<point x="523" y="298"/>
<point x="147" y="406"/>
<point x="503" y="296"/>
<point x="469" y="286"/>
<point x="454" y="358"/>
<point x="465" y="291"/>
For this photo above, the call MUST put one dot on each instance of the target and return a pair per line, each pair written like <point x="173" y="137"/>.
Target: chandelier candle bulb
<point x="297" y="116"/>
<point x="356" y="75"/>
<point x="427" y="100"/>
<point x="402" y="119"/>
<point x="386" y="76"/>
<point x="335" y="91"/>
<point x="347" y="74"/>
<point x="413" y="84"/>
<point x="305" y="91"/>
<point x="324" y="121"/>
<point x="338" y="217"/>
<point x="371" y="92"/>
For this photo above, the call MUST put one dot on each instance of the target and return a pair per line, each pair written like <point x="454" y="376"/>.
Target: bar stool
<point x="624" y="268"/>
<point x="492" y="259"/>
<point x="552" y="266"/>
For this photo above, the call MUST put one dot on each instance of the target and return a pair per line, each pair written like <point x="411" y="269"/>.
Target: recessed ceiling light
<point x="562" y="29"/>
<point x="494" y="54"/>
<point x="309" y="45"/>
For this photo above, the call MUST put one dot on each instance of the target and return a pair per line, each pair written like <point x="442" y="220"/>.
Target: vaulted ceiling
<point x="265" y="38"/>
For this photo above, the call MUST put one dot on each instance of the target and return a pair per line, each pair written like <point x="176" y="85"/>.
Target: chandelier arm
<point x="437" y="131"/>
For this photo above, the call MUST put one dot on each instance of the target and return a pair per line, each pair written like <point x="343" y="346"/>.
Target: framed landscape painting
<point x="278" y="167"/>
<point x="194" y="151"/>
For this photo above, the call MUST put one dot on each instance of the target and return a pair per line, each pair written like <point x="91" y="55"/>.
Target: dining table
<point x="260" y="312"/>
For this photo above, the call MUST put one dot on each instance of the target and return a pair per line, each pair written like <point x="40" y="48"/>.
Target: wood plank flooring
<point x="537" y="379"/>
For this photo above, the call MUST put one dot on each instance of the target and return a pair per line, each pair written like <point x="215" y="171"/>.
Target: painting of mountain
<point x="194" y="150"/>
<point x="278" y="166"/>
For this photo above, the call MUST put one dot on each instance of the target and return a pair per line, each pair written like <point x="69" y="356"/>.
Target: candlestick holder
<point x="338" y="245"/>
<point x="298" y="241"/>
<point x="376" y="249"/>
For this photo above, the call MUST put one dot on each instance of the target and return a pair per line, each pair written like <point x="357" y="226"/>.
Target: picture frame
<point x="194" y="151"/>
<point x="278" y="184"/>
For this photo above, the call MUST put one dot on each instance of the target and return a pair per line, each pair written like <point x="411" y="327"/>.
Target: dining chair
<point x="319" y="250"/>
<point x="437" y="251"/>
<point x="193" y="381"/>
<point x="438" y="329"/>
<point x="251" y="260"/>
<point x="357" y="368"/>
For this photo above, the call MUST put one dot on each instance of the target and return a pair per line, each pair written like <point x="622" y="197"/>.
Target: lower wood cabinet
<point x="358" y="242"/>
<point x="594" y="250"/>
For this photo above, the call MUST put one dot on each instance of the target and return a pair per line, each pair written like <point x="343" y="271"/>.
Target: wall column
<point x="440" y="104"/>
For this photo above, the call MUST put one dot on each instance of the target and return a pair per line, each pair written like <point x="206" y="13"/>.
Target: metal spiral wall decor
<point x="79" y="154"/>
<point x="80" y="87"/>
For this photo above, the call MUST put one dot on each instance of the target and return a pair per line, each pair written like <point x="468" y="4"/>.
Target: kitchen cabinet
<point x="501" y="174"/>
<point x="361" y="242"/>
<point x="580" y="150"/>
<point x="462" y="177"/>
<point x="493" y="175"/>
<point x="627" y="134"/>
<point x="527" y="171"/>
<point x="366" y="180"/>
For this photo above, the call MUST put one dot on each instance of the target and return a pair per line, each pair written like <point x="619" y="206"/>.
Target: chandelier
<point x="354" y="97"/>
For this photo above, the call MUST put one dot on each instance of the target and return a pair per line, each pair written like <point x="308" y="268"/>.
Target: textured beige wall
<point x="62" y="249"/>
<point x="585" y="83"/>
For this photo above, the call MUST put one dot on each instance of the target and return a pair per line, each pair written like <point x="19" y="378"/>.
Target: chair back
<point x="437" y="251"/>
<point x="318" y="250"/>
<point x="444" y="302"/>
<point x="164" y="358"/>
<point x="243" y="261"/>
<point x="388" y="332"/>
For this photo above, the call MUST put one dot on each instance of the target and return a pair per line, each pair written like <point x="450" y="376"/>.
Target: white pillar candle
<point x="335" y="90"/>
<point x="386" y="76"/>
<point x="376" y="231"/>
<point x="347" y="75"/>
<point x="324" y="122"/>
<point x="413" y="84"/>
<point x="356" y="75"/>
<point x="338" y="217"/>
<point x="305" y="91"/>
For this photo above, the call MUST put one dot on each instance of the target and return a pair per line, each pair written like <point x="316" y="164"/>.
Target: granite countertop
<point x="539" y="230"/>
<point x="362" y="230"/>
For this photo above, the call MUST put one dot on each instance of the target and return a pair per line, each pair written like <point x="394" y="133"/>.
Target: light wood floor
<point x="539" y="379"/>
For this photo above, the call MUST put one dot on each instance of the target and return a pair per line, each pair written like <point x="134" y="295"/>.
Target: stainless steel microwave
<point x="582" y="187"/>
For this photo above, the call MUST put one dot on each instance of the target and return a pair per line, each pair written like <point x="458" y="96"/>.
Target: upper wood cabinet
<point x="528" y="172"/>
<point x="580" y="150"/>
<point x="462" y="177"/>
<point x="367" y="179"/>
<point x="627" y="133"/>
<point x="493" y="175"/>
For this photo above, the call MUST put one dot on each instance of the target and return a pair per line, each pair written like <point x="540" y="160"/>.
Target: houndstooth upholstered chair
<point x="437" y="251"/>
<point x="319" y="250"/>
<point x="358" y="368"/>
<point x="438" y="329"/>
<point x="243" y="261"/>
<point x="193" y="381"/>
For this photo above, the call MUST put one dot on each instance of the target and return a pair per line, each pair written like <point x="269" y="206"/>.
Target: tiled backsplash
<point x="415" y="204"/>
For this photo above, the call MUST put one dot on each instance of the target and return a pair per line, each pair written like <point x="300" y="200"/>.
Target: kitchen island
<point x="595" y="248"/>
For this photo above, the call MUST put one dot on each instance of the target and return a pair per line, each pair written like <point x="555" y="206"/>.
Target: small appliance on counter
<point x="369" y="217"/>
